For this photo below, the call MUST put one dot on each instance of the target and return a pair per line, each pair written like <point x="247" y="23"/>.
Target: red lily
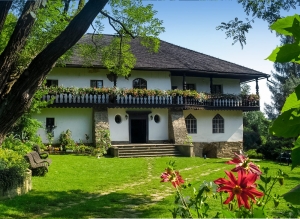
<point x="172" y="176"/>
<point x="244" y="164"/>
<point x="243" y="187"/>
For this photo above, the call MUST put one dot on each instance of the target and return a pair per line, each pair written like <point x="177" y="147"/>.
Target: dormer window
<point x="140" y="83"/>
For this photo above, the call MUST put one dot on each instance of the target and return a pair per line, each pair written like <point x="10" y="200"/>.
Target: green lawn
<point x="86" y="187"/>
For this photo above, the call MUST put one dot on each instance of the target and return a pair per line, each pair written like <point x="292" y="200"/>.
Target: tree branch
<point x="4" y="8"/>
<point x="21" y="94"/>
<point x="17" y="42"/>
<point x="111" y="24"/>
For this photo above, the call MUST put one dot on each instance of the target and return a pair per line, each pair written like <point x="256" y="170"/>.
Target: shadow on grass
<point x="73" y="204"/>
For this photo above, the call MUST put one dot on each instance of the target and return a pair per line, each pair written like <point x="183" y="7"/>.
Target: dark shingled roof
<point x="175" y="59"/>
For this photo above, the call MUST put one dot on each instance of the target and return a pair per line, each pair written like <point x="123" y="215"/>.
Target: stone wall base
<point x="18" y="190"/>
<point x="217" y="149"/>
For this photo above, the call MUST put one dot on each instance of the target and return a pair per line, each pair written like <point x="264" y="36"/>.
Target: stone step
<point x="147" y="150"/>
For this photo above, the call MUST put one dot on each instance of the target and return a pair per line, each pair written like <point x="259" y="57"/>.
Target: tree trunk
<point x="4" y="8"/>
<point x="21" y="93"/>
<point x="16" y="43"/>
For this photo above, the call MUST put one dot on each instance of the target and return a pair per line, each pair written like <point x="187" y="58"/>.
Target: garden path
<point x="130" y="210"/>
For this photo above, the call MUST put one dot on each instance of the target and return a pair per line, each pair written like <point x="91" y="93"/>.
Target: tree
<point x="255" y="129"/>
<point x="283" y="81"/>
<point x="255" y="9"/>
<point x="43" y="34"/>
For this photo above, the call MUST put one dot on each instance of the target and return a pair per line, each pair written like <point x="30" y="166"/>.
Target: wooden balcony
<point x="68" y="100"/>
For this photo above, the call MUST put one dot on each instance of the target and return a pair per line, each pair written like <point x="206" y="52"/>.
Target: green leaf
<point x="287" y="124"/>
<point x="286" y="53"/>
<point x="261" y="188"/>
<point x="263" y="179"/>
<point x="293" y="196"/>
<point x="281" y="25"/>
<point x="296" y="154"/>
<point x="259" y="213"/>
<point x="295" y="29"/>
<point x="228" y="214"/>
<point x="292" y="101"/>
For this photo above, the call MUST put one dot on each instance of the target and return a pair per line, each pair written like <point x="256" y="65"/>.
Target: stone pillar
<point x="177" y="127"/>
<point x="100" y="122"/>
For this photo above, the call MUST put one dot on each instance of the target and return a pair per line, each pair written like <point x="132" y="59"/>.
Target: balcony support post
<point x="184" y="82"/>
<point x="257" y="88"/>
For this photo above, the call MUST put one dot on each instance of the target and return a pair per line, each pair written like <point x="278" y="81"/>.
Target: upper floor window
<point x="218" y="124"/>
<point x="51" y="83"/>
<point x="140" y="83"/>
<point x="217" y="89"/>
<point x="191" y="124"/>
<point x="97" y="83"/>
<point x="190" y="87"/>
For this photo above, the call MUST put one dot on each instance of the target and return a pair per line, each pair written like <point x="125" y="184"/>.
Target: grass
<point x="86" y="187"/>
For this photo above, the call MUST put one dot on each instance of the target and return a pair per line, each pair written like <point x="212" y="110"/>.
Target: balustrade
<point x="68" y="98"/>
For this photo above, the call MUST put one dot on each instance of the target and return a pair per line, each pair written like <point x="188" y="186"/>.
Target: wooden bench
<point x="37" y="158"/>
<point x="43" y="154"/>
<point x="37" y="165"/>
<point x="285" y="157"/>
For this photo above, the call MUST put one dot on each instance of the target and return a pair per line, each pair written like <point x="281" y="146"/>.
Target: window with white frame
<point x="191" y="124"/>
<point x="218" y="124"/>
<point x="97" y="83"/>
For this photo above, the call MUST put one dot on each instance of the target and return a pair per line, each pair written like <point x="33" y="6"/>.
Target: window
<point x="157" y="118"/>
<point x="174" y="87"/>
<point x="118" y="119"/>
<point x="140" y="83"/>
<point x="51" y="83"/>
<point x="190" y="87"/>
<point x="218" y="124"/>
<point x="217" y="89"/>
<point x="97" y="83"/>
<point x="50" y="125"/>
<point x="191" y="124"/>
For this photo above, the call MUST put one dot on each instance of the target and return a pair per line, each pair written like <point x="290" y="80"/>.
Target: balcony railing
<point x="76" y="100"/>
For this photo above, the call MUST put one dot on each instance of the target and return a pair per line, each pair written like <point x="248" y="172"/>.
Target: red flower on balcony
<point x="172" y="176"/>
<point x="244" y="164"/>
<point x="243" y="188"/>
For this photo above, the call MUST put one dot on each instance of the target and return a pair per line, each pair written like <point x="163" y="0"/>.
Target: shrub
<point x="252" y="153"/>
<point x="12" y="169"/>
<point x="66" y="140"/>
<point x="15" y="144"/>
<point x="102" y="143"/>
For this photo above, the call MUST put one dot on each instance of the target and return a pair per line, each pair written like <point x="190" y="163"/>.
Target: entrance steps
<point x="145" y="150"/>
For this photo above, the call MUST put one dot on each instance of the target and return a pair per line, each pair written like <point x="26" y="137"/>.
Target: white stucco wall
<point x="233" y="125"/>
<point x="81" y="77"/>
<point x="159" y="131"/>
<point x="120" y="132"/>
<point x="78" y="120"/>
<point x="230" y="86"/>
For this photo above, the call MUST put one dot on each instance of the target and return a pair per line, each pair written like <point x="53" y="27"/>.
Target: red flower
<point x="244" y="164"/>
<point x="172" y="176"/>
<point x="243" y="187"/>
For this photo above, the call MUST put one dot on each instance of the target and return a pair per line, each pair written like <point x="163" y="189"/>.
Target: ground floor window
<point x="218" y="124"/>
<point x="191" y="124"/>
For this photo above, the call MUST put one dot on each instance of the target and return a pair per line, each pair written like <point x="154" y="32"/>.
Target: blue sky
<point x="192" y="24"/>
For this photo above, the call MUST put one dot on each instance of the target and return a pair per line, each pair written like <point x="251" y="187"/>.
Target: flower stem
<point x="183" y="202"/>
